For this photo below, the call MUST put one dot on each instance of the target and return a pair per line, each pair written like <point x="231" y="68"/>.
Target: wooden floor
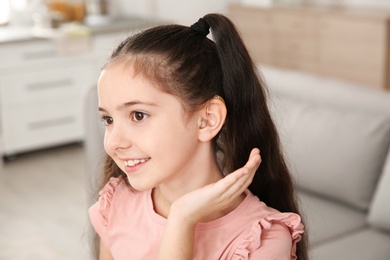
<point x="43" y="206"/>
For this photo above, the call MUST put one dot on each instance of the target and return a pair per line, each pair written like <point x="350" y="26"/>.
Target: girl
<point x="182" y="113"/>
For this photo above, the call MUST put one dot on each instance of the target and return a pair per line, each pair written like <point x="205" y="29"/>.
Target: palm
<point x="216" y="196"/>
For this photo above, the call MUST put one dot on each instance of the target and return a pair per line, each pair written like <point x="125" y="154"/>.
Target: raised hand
<point x="197" y="204"/>
<point x="191" y="208"/>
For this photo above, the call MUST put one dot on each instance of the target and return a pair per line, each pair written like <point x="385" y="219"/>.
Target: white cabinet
<point x="30" y="54"/>
<point x="41" y="95"/>
<point x="41" y="89"/>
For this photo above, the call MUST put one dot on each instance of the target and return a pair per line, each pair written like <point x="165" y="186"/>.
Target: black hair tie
<point x="202" y="27"/>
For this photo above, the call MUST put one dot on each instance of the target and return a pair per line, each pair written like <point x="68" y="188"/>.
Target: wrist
<point x="178" y="216"/>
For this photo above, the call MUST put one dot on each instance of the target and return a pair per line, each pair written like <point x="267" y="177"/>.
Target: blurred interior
<point x="56" y="48"/>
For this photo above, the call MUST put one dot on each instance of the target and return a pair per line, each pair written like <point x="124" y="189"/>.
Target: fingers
<point x="236" y="182"/>
<point x="253" y="161"/>
<point x="251" y="166"/>
<point x="216" y="196"/>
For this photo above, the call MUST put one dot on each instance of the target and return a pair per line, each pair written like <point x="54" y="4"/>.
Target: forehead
<point x="119" y="85"/>
<point x="122" y="78"/>
<point x="146" y="68"/>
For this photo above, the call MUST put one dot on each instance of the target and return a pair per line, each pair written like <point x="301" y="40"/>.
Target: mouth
<point x="132" y="163"/>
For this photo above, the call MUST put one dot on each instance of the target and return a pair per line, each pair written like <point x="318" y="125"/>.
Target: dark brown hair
<point x="194" y="68"/>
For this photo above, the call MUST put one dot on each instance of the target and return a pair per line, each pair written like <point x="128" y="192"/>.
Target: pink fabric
<point x="127" y="224"/>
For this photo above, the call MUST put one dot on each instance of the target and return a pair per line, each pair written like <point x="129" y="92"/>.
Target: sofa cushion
<point x="379" y="215"/>
<point x="332" y="151"/>
<point x="326" y="219"/>
<point x="362" y="245"/>
<point x="325" y="90"/>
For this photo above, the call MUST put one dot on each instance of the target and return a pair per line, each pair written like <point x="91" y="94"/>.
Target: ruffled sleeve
<point x="99" y="213"/>
<point x="267" y="238"/>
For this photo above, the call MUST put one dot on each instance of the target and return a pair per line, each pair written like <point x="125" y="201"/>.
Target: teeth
<point x="134" y="162"/>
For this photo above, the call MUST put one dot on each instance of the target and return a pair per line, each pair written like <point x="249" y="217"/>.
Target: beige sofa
<point x="336" y="136"/>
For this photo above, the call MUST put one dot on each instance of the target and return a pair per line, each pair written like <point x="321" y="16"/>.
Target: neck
<point x="162" y="206"/>
<point x="201" y="171"/>
<point x="165" y="194"/>
<point x="205" y="173"/>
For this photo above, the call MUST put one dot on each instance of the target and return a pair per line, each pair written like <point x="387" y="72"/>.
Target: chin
<point x="139" y="186"/>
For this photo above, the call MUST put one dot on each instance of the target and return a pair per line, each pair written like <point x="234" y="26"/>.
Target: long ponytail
<point x="249" y="123"/>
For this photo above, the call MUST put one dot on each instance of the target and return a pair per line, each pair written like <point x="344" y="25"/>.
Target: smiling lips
<point x="132" y="163"/>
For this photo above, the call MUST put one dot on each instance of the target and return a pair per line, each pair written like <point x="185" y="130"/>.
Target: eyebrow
<point x="129" y="104"/>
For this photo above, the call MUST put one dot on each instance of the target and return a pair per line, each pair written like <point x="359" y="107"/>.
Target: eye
<point x="138" y="116"/>
<point x="107" y="120"/>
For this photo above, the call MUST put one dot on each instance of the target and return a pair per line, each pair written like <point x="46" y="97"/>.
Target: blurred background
<point x="51" y="52"/>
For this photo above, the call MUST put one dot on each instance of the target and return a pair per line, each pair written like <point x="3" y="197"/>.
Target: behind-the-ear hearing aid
<point x="203" y="123"/>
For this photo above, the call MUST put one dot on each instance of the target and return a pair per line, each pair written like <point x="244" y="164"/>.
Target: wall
<point x="356" y="3"/>
<point x="187" y="12"/>
<point x="184" y="12"/>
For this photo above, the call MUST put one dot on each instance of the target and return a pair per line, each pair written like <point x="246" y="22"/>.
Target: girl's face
<point x="148" y="134"/>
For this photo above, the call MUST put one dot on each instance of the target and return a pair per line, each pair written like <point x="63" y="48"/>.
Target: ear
<point x="211" y="119"/>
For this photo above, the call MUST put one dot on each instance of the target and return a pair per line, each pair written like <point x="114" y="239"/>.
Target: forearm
<point x="178" y="239"/>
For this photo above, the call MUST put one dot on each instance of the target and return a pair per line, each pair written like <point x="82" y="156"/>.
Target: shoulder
<point x="272" y="235"/>
<point x="112" y="187"/>
<point x="100" y="211"/>
<point x="110" y="197"/>
<point x="119" y="205"/>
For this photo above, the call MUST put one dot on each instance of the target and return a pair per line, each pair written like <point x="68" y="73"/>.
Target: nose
<point x="118" y="137"/>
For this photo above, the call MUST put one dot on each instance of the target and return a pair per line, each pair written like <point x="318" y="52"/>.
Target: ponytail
<point x="249" y="123"/>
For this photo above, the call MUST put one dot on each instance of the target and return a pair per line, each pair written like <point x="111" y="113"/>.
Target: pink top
<point x="130" y="228"/>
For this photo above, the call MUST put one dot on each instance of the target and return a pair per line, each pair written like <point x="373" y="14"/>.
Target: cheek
<point x="180" y="138"/>
<point x="105" y="143"/>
